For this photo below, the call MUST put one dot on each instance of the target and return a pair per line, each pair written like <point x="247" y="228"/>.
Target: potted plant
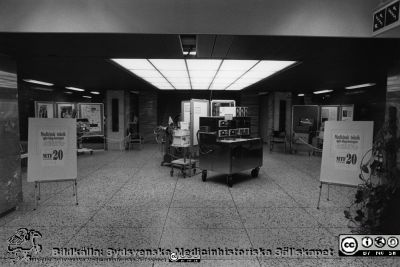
<point x="376" y="207"/>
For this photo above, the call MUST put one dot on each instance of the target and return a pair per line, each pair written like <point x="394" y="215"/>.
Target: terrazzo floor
<point x="127" y="200"/>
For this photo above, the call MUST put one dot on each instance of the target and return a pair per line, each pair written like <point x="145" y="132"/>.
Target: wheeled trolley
<point x="186" y="165"/>
<point x="230" y="156"/>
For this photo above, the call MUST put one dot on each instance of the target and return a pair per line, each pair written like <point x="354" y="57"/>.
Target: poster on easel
<point x="51" y="149"/>
<point x="93" y="112"/>
<point x="346" y="143"/>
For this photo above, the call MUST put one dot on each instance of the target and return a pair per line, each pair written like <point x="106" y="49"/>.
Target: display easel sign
<point x="52" y="154"/>
<point x="345" y="145"/>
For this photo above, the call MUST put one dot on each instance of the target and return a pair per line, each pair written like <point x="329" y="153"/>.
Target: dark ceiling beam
<point x="339" y="18"/>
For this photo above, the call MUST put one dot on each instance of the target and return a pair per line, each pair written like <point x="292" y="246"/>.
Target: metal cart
<point x="186" y="165"/>
<point x="230" y="156"/>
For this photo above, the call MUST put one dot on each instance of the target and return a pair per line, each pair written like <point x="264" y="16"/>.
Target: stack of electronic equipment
<point x="223" y="128"/>
<point x="226" y="145"/>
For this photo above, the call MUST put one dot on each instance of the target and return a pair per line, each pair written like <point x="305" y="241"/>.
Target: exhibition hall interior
<point x="159" y="133"/>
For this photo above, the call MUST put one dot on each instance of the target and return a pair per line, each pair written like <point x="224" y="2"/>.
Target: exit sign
<point x="386" y="17"/>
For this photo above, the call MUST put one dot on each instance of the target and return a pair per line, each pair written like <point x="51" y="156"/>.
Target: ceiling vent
<point x="188" y="45"/>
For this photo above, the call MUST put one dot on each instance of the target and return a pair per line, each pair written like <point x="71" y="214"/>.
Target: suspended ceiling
<point x="82" y="60"/>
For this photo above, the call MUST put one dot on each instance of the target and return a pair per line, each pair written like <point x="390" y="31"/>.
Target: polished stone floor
<point x="127" y="200"/>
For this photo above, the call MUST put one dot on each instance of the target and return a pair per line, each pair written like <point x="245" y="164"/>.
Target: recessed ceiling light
<point x="68" y="92"/>
<point x="86" y="96"/>
<point x="74" y="89"/>
<point x="38" y="82"/>
<point x="360" y="86"/>
<point x="300" y="95"/>
<point x="322" y="92"/>
<point x="191" y="53"/>
<point x="202" y="74"/>
<point x="94" y="92"/>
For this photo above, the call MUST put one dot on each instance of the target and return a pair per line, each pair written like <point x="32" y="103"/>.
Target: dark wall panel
<point x="273" y="17"/>
<point x="147" y="115"/>
<point x="10" y="163"/>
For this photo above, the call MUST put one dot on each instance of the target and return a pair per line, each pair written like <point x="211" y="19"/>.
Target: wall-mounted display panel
<point x="66" y="110"/>
<point x="329" y="113"/>
<point x="94" y="112"/>
<point x="346" y="113"/>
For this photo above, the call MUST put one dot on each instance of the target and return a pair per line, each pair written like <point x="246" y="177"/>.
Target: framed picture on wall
<point x="329" y="113"/>
<point x="347" y="113"/>
<point x="44" y="109"/>
<point x="94" y="113"/>
<point x="66" y="110"/>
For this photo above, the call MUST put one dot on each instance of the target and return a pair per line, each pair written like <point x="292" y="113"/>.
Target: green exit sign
<point x="386" y="17"/>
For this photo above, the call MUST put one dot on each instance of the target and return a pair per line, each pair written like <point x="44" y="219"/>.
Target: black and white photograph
<point x="44" y="109"/>
<point x="200" y="133"/>
<point x="66" y="110"/>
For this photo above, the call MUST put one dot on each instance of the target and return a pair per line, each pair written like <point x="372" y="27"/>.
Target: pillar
<point x="115" y="119"/>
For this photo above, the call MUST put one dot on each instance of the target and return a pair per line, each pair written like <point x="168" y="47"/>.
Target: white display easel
<point x="52" y="153"/>
<point x="345" y="144"/>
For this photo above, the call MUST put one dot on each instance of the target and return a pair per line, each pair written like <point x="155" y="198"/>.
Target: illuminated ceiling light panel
<point x="147" y="73"/>
<point x="156" y="80"/>
<point x="216" y="86"/>
<point x="94" y="92"/>
<point x="75" y="89"/>
<point x="175" y="73"/>
<point x="178" y="80"/>
<point x="322" y="92"/>
<point x="202" y="74"/>
<point x="86" y="96"/>
<point x="360" y="86"/>
<point x="168" y="64"/>
<point x="244" y="65"/>
<point x="236" y="87"/>
<point x="164" y="86"/>
<point x="203" y="64"/>
<point x="272" y="66"/>
<point x="199" y="79"/>
<point x="300" y="95"/>
<point x="200" y="86"/>
<point x="182" y="86"/>
<point x="38" y="82"/>
<point x="134" y="64"/>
